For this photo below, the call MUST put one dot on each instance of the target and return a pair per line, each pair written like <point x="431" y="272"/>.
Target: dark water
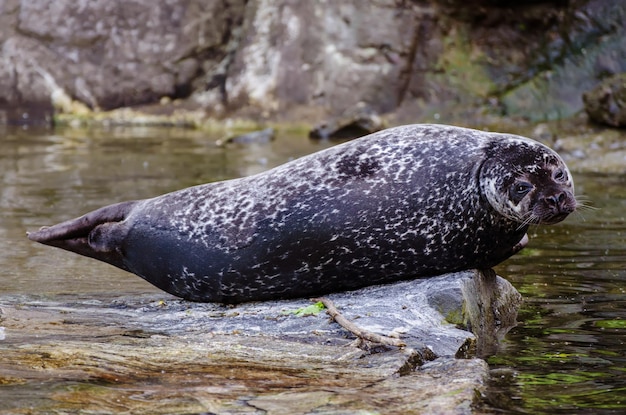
<point x="566" y="356"/>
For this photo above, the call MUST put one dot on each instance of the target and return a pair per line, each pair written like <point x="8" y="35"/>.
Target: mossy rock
<point x="606" y="103"/>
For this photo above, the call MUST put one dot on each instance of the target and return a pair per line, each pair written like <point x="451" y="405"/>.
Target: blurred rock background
<point x="463" y="61"/>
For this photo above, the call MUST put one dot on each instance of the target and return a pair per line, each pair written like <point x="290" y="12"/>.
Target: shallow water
<point x="566" y="356"/>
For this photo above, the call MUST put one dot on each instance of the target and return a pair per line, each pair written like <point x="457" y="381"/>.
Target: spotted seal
<point x="407" y="202"/>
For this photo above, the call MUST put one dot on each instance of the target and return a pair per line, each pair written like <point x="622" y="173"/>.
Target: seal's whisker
<point x="583" y="203"/>
<point x="533" y="227"/>
<point x="527" y="220"/>
<point x="582" y="208"/>
<point x="586" y="208"/>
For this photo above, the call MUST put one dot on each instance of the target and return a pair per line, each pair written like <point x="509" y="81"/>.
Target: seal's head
<point x="527" y="182"/>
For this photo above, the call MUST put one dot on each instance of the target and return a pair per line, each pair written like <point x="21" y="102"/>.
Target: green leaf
<point x="311" y="310"/>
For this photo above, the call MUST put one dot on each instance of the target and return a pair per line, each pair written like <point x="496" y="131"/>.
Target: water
<point x="566" y="356"/>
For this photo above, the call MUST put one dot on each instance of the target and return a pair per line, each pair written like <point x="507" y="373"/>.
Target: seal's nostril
<point x="556" y="200"/>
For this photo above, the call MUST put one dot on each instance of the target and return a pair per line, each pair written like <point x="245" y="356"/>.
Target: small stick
<point x="354" y="329"/>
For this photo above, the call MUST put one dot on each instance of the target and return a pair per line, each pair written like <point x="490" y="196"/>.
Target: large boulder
<point x="110" y="53"/>
<point x="606" y="103"/>
<point x="158" y="354"/>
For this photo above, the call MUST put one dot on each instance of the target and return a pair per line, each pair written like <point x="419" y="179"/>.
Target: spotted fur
<point x="407" y="202"/>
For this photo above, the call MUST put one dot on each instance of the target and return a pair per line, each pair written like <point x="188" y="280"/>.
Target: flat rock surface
<point x="158" y="354"/>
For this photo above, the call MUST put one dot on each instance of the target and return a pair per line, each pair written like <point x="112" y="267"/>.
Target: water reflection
<point x="567" y="355"/>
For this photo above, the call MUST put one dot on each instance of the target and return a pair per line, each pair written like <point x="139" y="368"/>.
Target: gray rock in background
<point x="322" y="54"/>
<point x="606" y="103"/>
<point x="282" y="60"/>
<point x="109" y="54"/>
<point x="585" y="48"/>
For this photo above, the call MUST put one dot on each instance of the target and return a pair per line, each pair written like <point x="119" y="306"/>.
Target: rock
<point x="490" y="309"/>
<point x="329" y="55"/>
<point x="549" y="82"/>
<point x="276" y="59"/>
<point x="606" y="103"/>
<point x="254" y="137"/>
<point x="110" y="54"/>
<point x="158" y="354"/>
<point x="404" y="308"/>
<point x="354" y="123"/>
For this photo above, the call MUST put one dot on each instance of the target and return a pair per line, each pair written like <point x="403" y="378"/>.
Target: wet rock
<point x="606" y="103"/>
<point x="492" y="310"/>
<point x="354" y="123"/>
<point x="592" y="148"/>
<point x="254" y="137"/>
<point x="158" y="354"/>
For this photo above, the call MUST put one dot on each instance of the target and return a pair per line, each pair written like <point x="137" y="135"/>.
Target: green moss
<point x="311" y="310"/>
<point x="611" y="324"/>
<point x="455" y="317"/>
<point x="461" y="65"/>
<point x="195" y="120"/>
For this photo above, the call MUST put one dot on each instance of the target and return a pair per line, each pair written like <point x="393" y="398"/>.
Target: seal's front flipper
<point x="98" y="234"/>
<point x="521" y="244"/>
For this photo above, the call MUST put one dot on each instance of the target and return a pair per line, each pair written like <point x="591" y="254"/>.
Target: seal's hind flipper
<point x="96" y="234"/>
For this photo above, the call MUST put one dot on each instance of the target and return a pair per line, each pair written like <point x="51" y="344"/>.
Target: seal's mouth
<point x="552" y="214"/>
<point x="554" y="208"/>
<point x="552" y="219"/>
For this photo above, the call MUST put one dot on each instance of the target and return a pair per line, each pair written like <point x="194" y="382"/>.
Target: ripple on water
<point x="568" y="356"/>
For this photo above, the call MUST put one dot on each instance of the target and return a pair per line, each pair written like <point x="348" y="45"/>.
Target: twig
<point x="354" y="329"/>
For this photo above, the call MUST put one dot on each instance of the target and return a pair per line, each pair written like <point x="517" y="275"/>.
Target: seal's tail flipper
<point x="94" y="235"/>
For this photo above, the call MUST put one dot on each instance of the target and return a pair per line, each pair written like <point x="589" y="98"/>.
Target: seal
<point x="407" y="202"/>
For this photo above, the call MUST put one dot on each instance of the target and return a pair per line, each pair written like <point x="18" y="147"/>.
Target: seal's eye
<point x="560" y="175"/>
<point x="522" y="188"/>
<point x="518" y="190"/>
